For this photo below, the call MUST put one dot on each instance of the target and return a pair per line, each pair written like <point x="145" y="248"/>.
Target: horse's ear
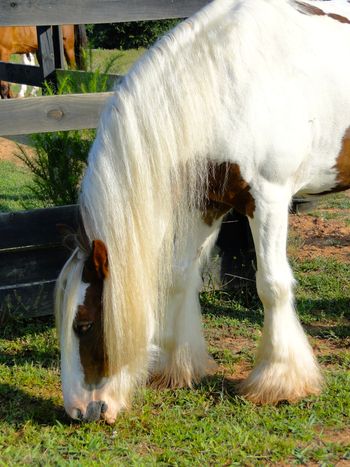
<point x="99" y="259"/>
<point x="68" y="235"/>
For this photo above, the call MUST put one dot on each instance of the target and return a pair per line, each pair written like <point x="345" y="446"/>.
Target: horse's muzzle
<point x="93" y="412"/>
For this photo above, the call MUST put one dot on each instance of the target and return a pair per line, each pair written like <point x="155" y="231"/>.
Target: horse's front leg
<point x="285" y="368"/>
<point x="183" y="352"/>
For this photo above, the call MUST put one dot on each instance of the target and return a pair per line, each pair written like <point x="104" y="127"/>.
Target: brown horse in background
<point x="23" y="40"/>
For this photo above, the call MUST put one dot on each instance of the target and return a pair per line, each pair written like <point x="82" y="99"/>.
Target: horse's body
<point x="23" y="40"/>
<point x="243" y="105"/>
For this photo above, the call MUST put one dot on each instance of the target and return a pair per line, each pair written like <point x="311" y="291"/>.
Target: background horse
<point x="243" y="105"/>
<point x="23" y="40"/>
<point x="28" y="59"/>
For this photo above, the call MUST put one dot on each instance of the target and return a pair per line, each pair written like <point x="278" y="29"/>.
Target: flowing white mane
<point x="148" y="151"/>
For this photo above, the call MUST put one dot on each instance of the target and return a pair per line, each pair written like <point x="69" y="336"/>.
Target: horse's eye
<point x="82" y="327"/>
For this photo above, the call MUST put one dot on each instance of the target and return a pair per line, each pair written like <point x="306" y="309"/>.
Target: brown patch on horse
<point x="341" y="19"/>
<point x="88" y="323"/>
<point x="343" y="163"/>
<point x="342" y="167"/>
<point x="315" y="11"/>
<point x="227" y="189"/>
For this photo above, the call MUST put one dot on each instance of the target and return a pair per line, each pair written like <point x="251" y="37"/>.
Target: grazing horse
<point x="23" y="40"/>
<point x="243" y="105"/>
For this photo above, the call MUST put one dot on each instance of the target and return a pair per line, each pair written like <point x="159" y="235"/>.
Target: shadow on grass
<point x="42" y="351"/>
<point x="328" y="333"/>
<point x="9" y="203"/>
<point x="17" y="407"/>
<point x="16" y="326"/>
<point x="221" y="304"/>
<point x="46" y="358"/>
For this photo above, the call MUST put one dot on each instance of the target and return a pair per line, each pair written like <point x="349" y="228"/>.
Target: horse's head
<point x="5" y="90"/>
<point x="87" y="389"/>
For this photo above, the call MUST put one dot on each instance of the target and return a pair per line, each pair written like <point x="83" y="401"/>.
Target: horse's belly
<point x="328" y="170"/>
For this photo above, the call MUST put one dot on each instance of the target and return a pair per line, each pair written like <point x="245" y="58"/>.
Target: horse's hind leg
<point x="5" y="89"/>
<point x="286" y="368"/>
<point x="184" y="358"/>
<point x="28" y="59"/>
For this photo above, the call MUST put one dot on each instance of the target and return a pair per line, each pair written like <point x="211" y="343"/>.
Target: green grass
<point x="209" y="425"/>
<point x="333" y="207"/>
<point x="121" y="59"/>
<point x="15" y="193"/>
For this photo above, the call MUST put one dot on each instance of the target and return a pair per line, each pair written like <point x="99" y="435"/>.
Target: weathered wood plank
<point x="51" y="113"/>
<point x="31" y="266"/>
<point x="46" y="54"/>
<point x="31" y="257"/>
<point x="42" y="12"/>
<point x="38" y="227"/>
<point x="18" y="73"/>
<point x="28" y="300"/>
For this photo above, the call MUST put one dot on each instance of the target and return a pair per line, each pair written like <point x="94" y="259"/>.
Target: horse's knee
<point x="274" y="290"/>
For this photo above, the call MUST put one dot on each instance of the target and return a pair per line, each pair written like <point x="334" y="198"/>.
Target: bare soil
<point x="316" y="236"/>
<point x="9" y="149"/>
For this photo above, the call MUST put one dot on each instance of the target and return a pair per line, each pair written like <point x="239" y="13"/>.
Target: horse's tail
<point x="80" y="43"/>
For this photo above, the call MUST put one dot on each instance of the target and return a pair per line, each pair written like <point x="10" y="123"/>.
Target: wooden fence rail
<point x="42" y="12"/>
<point x="31" y="256"/>
<point x="51" y="113"/>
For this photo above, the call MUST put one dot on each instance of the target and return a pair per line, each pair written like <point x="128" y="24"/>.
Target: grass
<point x="121" y="59"/>
<point x="333" y="207"/>
<point x="209" y="425"/>
<point x="15" y="192"/>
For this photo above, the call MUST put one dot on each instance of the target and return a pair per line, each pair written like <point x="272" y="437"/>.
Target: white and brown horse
<point x="243" y="105"/>
<point x="23" y="40"/>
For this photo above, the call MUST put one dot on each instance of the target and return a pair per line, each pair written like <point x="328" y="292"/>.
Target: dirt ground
<point x="318" y="236"/>
<point x="310" y="236"/>
<point x="9" y="148"/>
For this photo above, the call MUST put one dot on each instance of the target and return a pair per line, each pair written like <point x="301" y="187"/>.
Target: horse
<point x="24" y="40"/>
<point x="243" y="105"/>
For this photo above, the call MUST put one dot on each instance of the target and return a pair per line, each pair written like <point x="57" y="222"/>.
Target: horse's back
<point x="18" y="39"/>
<point x="292" y="113"/>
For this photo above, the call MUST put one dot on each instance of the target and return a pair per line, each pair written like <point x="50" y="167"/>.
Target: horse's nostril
<point x="104" y="407"/>
<point x="78" y="414"/>
<point x="93" y="411"/>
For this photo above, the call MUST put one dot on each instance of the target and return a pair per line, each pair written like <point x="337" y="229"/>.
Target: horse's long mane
<point x="135" y="194"/>
<point x="147" y="170"/>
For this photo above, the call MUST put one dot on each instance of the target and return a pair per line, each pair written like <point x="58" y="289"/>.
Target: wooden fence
<point x="31" y="254"/>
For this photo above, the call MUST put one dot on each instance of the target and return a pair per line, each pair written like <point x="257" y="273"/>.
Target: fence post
<point x="46" y="55"/>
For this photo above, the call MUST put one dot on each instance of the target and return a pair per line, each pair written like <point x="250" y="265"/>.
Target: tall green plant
<point x="130" y="35"/>
<point x="61" y="156"/>
<point x="58" y="165"/>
